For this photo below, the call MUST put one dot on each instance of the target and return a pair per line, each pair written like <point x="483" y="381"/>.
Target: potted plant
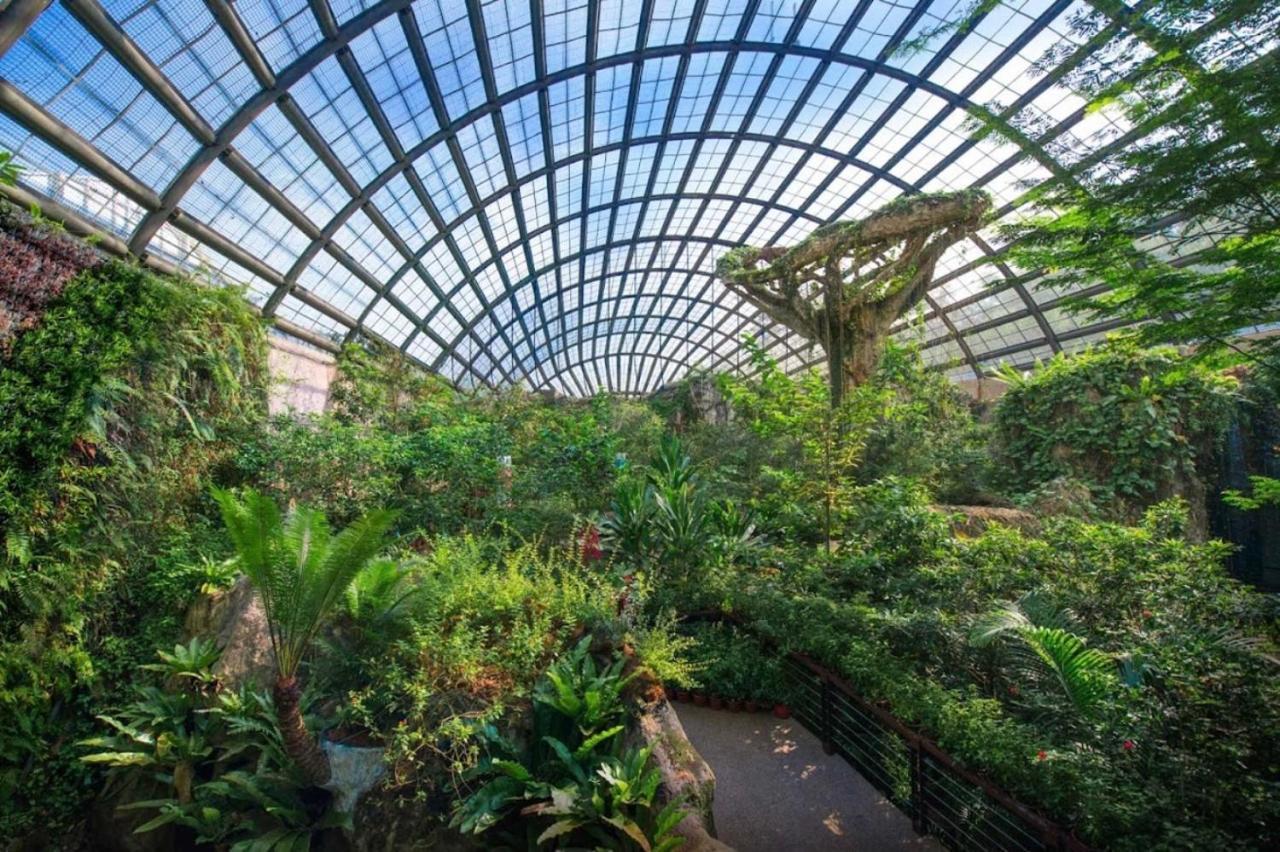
<point x="717" y="702"/>
<point x="781" y="711"/>
<point x="734" y="705"/>
<point x="700" y="698"/>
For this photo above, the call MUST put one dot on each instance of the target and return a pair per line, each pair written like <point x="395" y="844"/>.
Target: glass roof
<point x="537" y="191"/>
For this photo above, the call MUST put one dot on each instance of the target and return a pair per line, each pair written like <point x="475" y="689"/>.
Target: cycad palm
<point x="301" y="571"/>
<point x="1050" y="651"/>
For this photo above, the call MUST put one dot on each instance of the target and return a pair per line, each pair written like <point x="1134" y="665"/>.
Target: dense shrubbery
<point x="119" y="400"/>
<point x="1182" y="732"/>
<point x="1129" y="424"/>
<point x="1112" y="675"/>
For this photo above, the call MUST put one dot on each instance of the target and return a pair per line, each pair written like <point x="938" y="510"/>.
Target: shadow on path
<point x="777" y="792"/>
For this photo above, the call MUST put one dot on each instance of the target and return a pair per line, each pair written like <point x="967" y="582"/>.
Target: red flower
<point x="1129" y="745"/>
<point x="1042" y="755"/>
<point x="591" y="544"/>
<point x="1013" y="690"/>
<point x="1147" y="614"/>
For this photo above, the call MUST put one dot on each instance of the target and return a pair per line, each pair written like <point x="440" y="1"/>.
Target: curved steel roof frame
<point x="481" y="169"/>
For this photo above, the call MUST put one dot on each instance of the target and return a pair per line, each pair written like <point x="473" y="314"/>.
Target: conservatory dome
<point x="538" y="192"/>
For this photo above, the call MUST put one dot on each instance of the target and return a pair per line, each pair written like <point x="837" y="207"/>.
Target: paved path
<point x="777" y="792"/>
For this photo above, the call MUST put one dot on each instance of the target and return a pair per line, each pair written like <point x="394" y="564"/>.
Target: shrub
<point x="1181" y="665"/>
<point x="1131" y="424"/>
<point x="119" y="406"/>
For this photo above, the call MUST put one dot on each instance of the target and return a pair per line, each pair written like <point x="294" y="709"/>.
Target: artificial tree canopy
<point x="845" y="285"/>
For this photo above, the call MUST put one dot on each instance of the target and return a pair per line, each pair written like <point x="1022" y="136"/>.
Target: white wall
<point x="300" y="376"/>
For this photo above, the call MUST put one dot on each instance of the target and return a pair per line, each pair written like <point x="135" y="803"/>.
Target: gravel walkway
<point x="777" y="792"/>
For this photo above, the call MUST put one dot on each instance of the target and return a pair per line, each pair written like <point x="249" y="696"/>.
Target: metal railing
<point x="960" y="808"/>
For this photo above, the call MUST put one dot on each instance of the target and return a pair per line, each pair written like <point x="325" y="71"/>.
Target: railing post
<point x="828" y="733"/>
<point x="919" y="817"/>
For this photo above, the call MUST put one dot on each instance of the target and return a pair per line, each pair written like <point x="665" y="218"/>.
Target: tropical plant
<point x="1049" y="652"/>
<point x="733" y="530"/>
<point x="574" y="782"/>
<point x="191" y="662"/>
<point x="679" y="529"/>
<point x="220" y="760"/>
<point x="626" y="529"/>
<point x="301" y="572"/>
<point x="581" y="692"/>
<point x="381" y="591"/>
<point x="671" y="466"/>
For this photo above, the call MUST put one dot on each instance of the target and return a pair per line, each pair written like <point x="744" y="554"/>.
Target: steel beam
<point x="16" y="18"/>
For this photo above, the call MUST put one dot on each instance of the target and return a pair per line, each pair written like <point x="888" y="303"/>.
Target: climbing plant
<point x="1130" y="424"/>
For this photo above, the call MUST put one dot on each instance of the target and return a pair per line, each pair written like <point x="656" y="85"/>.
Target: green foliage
<point x="1130" y="692"/>
<point x="381" y="387"/>
<point x="627" y="529"/>
<point x="9" y="170"/>
<point x="1265" y="492"/>
<point x="662" y="651"/>
<point x="1204" y="108"/>
<point x="485" y="618"/>
<point x="451" y="463"/>
<point x="1130" y="424"/>
<point x="192" y="661"/>
<point x="300" y="570"/>
<point x="582" y="695"/>
<point x="1052" y="652"/>
<point x="120" y="404"/>
<point x="213" y="762"/>
<point x="574" y="782"/>
<point x="734" y="663"/>
<point x="926" y="431"/>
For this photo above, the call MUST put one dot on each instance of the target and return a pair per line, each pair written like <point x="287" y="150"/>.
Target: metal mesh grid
<point x="537" y="190"/>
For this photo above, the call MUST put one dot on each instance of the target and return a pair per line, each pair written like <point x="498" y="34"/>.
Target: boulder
<point x="684" y="775"/>
<point x="972" y="521"/>
<point x="236" y="620"/>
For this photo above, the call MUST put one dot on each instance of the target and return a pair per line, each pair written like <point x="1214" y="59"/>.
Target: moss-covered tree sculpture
<point x="845" y="285"/>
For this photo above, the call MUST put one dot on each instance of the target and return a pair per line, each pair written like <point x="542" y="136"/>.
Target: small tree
<point x="1199" y="172"/>
<point x="845" y="285"/>
<point x="301" y="571"/>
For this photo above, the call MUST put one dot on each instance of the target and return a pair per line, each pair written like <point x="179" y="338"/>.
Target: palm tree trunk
<point x="301" y="747"/>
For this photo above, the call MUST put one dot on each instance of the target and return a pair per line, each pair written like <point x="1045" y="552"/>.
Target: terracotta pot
<point x="682" y="695"/>
<point x="750" y="705"/>
<point x="717" y="702"/>
<point x="700" y="699"/>
<point x="782" y="711"/>
<point x="735" y="705"/>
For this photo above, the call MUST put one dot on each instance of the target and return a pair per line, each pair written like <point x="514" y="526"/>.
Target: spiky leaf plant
<point x="301" y="570"/>
<point x="1047" y="651"/>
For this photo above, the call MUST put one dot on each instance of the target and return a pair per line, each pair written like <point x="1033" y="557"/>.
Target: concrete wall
<point x="300" y="376"/>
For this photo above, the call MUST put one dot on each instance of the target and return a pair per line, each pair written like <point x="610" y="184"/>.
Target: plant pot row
<point x="733" y="705"/>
